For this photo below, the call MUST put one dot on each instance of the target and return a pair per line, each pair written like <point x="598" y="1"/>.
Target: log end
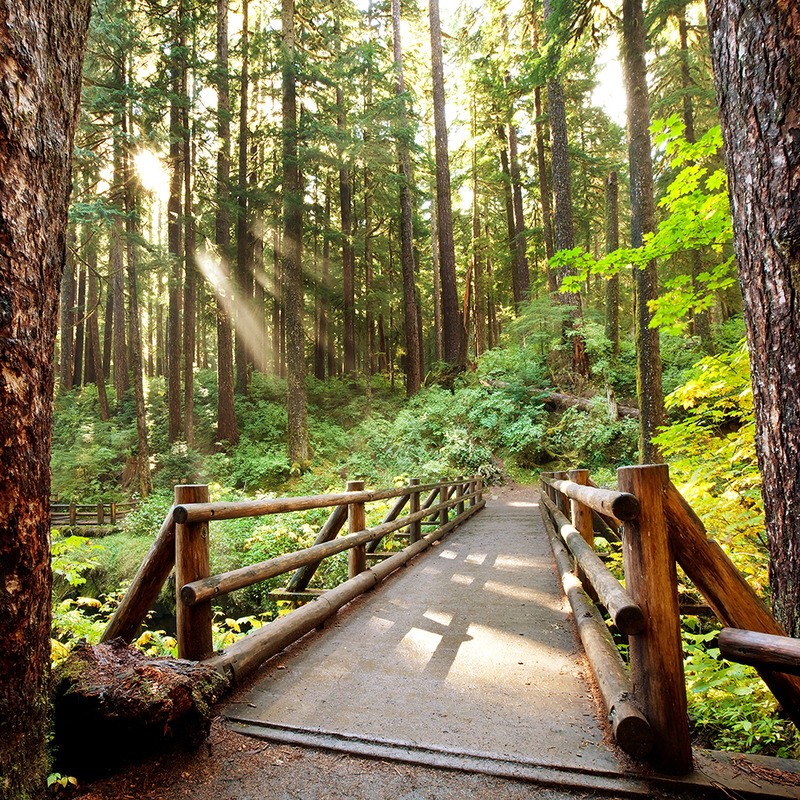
<point x="180" y="514"/>
<point x="629" y="619"/>
<point x="625" y="506"/>
<point x="632" y="731"/>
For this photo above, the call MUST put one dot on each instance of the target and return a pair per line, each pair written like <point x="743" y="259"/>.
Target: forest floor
<point x="230" y="765"/>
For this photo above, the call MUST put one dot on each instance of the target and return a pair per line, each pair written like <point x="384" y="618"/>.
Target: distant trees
<point x="38" y="113"/>
<point x="755" y="47"/>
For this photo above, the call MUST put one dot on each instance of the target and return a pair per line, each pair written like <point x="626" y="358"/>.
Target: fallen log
<point x="113" y="705"/>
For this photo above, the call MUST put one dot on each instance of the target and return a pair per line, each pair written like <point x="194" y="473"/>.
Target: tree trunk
<point x="80" y="331"/>
<point x="508" y="197"/>
<point x="755" y="49"/>
<point x="438" y="350"/>
<point x="701" y="322"/>
<point x="135" y="329"/>
<point x="612" y="244"/>
<point x="453" y="334"/>
<point x="412" y="334"/>
<point x="38" y="41"/>
<point x="648" y="353"/>
<point x="190" y="259"/>
<point x="116" y="264"/>
<point x="227" y="430"/>
<point x="244" y="267"/>
<point x="174" y="226"/>
<point x="477" y="254"/>
<point x="292" y="252"/>
<point x="93" y="335"/>
<point x="67" y="316"/>
<point x="523" y="278"/>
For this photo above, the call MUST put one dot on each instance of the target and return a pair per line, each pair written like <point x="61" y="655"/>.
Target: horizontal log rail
<point x="763" y="650"/>
<point x="183" y="544"/>
<point x="625" y="613"/>
<point x="618" y="505"/>
<point x="226" y="582"/>
<point x="660" y="531"/>
<point x="205" y="512"/>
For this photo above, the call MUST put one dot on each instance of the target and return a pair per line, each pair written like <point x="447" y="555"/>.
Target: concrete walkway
<point x="468" y="660"/>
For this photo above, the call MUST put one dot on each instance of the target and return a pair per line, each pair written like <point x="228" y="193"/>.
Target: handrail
<point x="189" y="513"/>
<point x="624" y="611"/>
<point x="183" y="543"/>
<point x="620" y="505"/>
<point x="660" y="532"/>
<point x="226" y="582"/>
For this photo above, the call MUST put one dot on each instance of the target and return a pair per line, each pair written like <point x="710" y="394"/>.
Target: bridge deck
<point x="468" y="659"/>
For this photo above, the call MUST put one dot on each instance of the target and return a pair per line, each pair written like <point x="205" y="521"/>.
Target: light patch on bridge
<point x="475" y="558"/>
<point x="417" y="646"/>
<point x="442" y="617"/>
<point x="524" y="593"/>
<point x="448" y="554"/>
<point x="521" y="504"/>
<point x="464" y="580"/>
<point x="516" y="562"/>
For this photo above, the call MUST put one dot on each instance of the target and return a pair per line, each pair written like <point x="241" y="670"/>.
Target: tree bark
<point x="78" y="377"/>
<point x="755" y="50"/>
<point x="478" y="277"/>
<point x="648" y="353"/>
<point x="93" y="335"/>
<point x="67" y="317"/>
<point x="523" y="278"/>
<point x="227" y="430"/>
<point x="412" y="334"/>
<point x="244" y="263"/>
<point x="292" y="252"/>
<point x="38" y="111"/>
<point x="453" y="334"/>
<point x="174" y="226"/>
<point x="508" y="197"/>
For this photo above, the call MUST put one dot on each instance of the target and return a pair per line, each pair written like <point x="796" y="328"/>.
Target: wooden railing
<point x="183" y="543"/>
<point x="646" y="704"/>
<point x="88" y="514"/>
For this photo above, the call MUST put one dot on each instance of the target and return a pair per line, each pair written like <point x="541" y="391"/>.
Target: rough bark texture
<point x="453" y="334"/>
<point x="523" y="278"/>
<point x="292" y="265"/>
<point x="226" y="415"/>
<point x="412" y="334"/>
<point x="41" y="52"/>
<point x="755" y="48"/>
<point x="348" y="259"/>
<point x="648" y="353"/>
<point x="508" y="198"/>
<point x="66" y="325"/>
<point x="114" y="705"/>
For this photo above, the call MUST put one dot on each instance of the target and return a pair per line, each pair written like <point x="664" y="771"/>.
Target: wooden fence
<point x="646" y="703"/>
<point x="183" y="543"/>
<point x="89" y="515"/>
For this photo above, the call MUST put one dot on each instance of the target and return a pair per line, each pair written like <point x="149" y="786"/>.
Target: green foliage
<point x="730" y="708"/>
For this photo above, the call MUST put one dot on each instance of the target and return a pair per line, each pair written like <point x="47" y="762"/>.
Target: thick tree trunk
<point x="227" y="430"/>
<point x="508" y="197"/>
<point x="93" y="335"/>
<point x="755" y="49"/>
<point x="292" y="252"/>
<point x="438" y="349"/>
<point x="38" y="41"/>
<point x="412" y="334"/>
<point x="116" y="255"/>
<point x="648" y="353"/>
<point x="78" y="378"/>
<point x="348" y="258"/>
<point x="478" y="277"/>
<point x="453" y="334"/>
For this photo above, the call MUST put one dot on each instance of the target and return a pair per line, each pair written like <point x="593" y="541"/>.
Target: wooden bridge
<point x="469" y="659"/>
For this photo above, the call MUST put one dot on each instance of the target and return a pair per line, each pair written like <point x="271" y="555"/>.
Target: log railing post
<point x="356" y="521"/>
<point x="581" y="518"/>
<point x="656" y="654"/>
<point x="415" y="529"/>
<point x="562" y="503"/>
<point x="192" y="555"/>
<point x="471" y="487"/>
<point x="113" y="513"/>
<point x="460" y="495"/>
<point x="480" y="487"/>
<point x="444" y="494"/>
<point x="101" y="516"/>
<point x="72" y="513"/>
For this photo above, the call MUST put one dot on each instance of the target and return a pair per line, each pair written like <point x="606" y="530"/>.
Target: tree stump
<point x="113" y="704"/>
